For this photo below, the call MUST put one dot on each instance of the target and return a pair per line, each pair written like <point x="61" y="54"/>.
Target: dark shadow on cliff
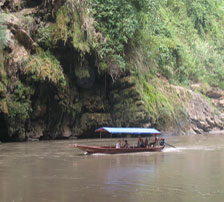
<point x="3" y="129"/>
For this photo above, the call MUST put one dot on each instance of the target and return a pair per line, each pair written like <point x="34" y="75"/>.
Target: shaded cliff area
<point x="62" y="74"/>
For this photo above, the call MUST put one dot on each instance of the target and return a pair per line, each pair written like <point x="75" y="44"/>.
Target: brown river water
<point x="53" y="171"/>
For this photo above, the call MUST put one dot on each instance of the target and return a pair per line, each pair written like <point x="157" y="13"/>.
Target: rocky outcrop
<point x="127" y="106"/>
<point x="13" y="60"/>
<point x="90" y="121"/>
<point x="202" y="115"/>
<point x="214" y="93"/>
<point x="217" y="97"/>
<point x="20" y="27"/>
<point x="94" y="112"/>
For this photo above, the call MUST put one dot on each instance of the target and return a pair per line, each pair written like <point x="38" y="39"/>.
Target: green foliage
<point x="118" y="22"/>
<point x="165" y="103"/>
<point x="45" y="67"/>
<point x="78" y="39"/>
<point x="3" y="90"/>
<point x="3" y="77"/>
<point x="19" y="103"/>
<point x="181" y="40"/>
<point x="18" y="110"/>
<point x="160" y="108"/>
<point x="3" y="39"/>
<point x="203" y="15"/>
<point x="60" y="30"/>
<point x="185" y="42"/>
<point x="44" y="36"/>
<point x="210" y="63"/>
<point x="75" y="25"/>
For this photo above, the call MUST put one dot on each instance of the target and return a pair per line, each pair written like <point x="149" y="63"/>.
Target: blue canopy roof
<point x="136" y="131"/>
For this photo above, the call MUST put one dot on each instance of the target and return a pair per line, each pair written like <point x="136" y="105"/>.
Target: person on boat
<point x="155" y="143"/>
<point x="118" y="145"/>
<point x="140" y="142"/>
<point x="126" y="145"/>
<point x="146" y="144"/>
<point x="162" y="141"/>
<point x="150" y="143"/>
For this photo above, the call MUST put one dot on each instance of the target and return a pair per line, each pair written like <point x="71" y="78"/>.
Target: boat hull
<point x="113" y="150"/>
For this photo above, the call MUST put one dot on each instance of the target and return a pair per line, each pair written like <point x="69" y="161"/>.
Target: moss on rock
<point x="43" y="67"/>
<point x="90" y="121"/>
<point x="127" y="108"/>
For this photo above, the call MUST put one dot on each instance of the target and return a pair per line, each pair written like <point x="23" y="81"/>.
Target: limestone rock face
<point x="66" y="131"/>
<point x="21" y="35"/>
<point x="127" y="107"/>
<point x="84" y="76"/>
<point x="36" y="131"/>
<point x="90" y="121"/>
<point x="214" y="93"/>
<point x="2" y="2"/>
<point x="93" y="101"/>
<point x="221" y="102"/>
<point x="121" y="106"/>
<point x="201" y="115"/>
<point x="125" y="82"/>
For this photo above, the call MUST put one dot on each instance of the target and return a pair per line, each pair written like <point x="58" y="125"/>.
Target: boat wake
<point x="170" y="150"/>
<point x="125" y="154"/>
<point x="98" y="154"/>
<point x="204" y="148"/>
<point x="190" y="148"/>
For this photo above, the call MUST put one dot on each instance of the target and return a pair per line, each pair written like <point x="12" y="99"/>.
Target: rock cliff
<point x="48" y="92"/>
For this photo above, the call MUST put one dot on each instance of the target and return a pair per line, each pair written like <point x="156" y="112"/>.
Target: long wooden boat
<point x="114" y="150"/>
<point x="156" y="147"/>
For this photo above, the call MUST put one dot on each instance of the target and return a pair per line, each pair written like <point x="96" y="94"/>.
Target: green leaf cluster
<point x="74" y="25"/>
<point x="118" y="22"/>
<point x="45" y="67"/>
<point x="19" y="102"/>
<point x="185" y="41"/>
<point x="3" y="39"/>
